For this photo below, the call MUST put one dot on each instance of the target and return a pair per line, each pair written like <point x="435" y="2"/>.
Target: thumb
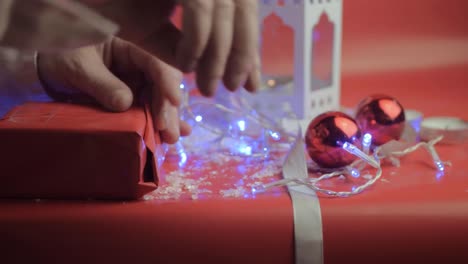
<point x="97" y="81"/>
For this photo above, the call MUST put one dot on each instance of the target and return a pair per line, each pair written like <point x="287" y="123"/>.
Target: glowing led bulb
<point x="355" y="172"/>
<point x="183" y="158"/>
<point x="258" y="188"/>
<point x="366" y="142"/>
<point x="440" y="166"/>
<point x="435" y="157"/>
<point x="356" y="151"/>
<point x="246" y="150"/>
<point x="274" y="135"/>
<point x="241" y="125"/>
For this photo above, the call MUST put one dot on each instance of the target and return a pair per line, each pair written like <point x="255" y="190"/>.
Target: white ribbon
<point x="308" y="234"/>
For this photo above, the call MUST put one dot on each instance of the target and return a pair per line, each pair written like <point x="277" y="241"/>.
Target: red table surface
<point x="413" y="51"/>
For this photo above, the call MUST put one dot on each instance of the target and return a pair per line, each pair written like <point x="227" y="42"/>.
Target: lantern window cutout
<point x="322" y="54"/>
<point x="277" y="77"/>
<point x="300" y="51"/>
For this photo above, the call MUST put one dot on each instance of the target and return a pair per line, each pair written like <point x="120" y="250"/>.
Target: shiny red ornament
<point x="382" y="116"/>
<point x="325" y="136"/>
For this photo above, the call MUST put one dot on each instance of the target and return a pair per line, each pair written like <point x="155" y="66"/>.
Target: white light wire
<point x="312" y="183"/>
<point x="360" y="163"/>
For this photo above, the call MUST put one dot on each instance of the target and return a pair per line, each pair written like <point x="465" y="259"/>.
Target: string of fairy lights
<point x="338" y="144"/>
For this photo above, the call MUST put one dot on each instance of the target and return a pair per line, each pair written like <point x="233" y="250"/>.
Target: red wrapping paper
<point x="54" y="150"/>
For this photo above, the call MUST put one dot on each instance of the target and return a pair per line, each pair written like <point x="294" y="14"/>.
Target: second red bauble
<point x="382" y="116"/>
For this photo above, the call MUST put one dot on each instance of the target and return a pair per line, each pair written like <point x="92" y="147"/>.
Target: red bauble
<point x="382" y="116"/>
<point x="325" y="136"/>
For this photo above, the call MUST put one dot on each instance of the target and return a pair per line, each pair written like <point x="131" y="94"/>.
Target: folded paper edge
<point x="153" y="156"/>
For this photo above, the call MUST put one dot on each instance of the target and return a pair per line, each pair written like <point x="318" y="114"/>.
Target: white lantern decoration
<point x="300" y="53"/>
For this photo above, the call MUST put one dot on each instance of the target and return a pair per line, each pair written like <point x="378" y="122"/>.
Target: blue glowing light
<point x="366" y="142"/>
<point x="440" y="175"/>
<point x="240" y="182"/>
<point x="274" y="135"/>
<point x="254" y="190"/>
<point x="347" y="146"/>
<point x="440" y="166"/>
<point x="366" y="139"/>
<point x="241" y="125"/>
<point x="246" y="150"/>
<point x="258" y="188"/>
<point x="181" y="86"/>
<point x="183" y="158"/>
<point x="198" y="118"/>
<point x="357" y="152"/>
<point x="355" y="173"/>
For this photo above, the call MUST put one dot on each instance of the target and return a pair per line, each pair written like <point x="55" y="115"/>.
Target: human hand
<point x="115" y="74"/>
<point x="218" y="40"/>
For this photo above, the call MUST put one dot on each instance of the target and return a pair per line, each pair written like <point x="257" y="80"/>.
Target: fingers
<point x="254" y="79"/>
<point x="213" y="62"/>
<point x="159" y="108"/>
<point x="166" y="121"/>
<point x="165" y="79"/>
<point x="231" y="50"/>
<point x="219" y="40"/>
<point x="171" y="132"/>
<point x="185" y="129"/>
<point x="175" y="128"/>
<point x="196" y="26"/>
<point x="87" y="72"/>
<point x="164" y="93"/>
<point x="109" y="91"/>
<point x="244" y="50"/>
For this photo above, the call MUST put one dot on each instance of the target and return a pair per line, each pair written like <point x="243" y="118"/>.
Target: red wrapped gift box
<point x="54" y="150"/>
